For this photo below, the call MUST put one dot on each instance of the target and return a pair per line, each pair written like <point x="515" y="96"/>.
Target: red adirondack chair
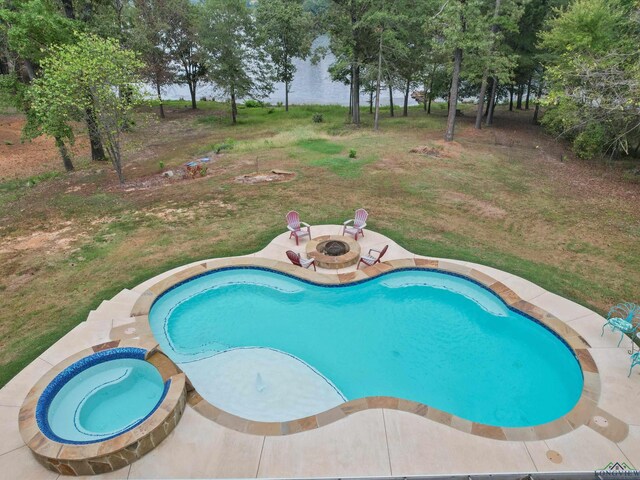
<point x="358" y="224"/>
<point x="294" y="226"/>
<point x="369" y="260"/>
<point x="296" y="259"/>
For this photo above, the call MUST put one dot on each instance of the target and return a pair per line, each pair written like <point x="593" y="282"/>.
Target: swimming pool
<point x="100" y="397"/>
<point x="419" y="335"/>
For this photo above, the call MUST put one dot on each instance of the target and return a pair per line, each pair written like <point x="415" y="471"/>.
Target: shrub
<point x="317" y="118"/>
<point x="161" y="164"/>
<point x="279" y="104"/>
<point x="203" y="99"/>
<point x="271" y="110"/>
<point x="352" y="153"/>
<point x="589" y="143"/>
<point x="253" y="104"/>
<point x="226" y="145"/>
<point x="560" y="118"/>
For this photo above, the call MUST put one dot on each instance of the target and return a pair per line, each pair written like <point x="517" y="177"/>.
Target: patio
<point x="373" y="441"/>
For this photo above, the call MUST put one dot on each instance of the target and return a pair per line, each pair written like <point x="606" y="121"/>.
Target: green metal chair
<point x="625" y="318"/>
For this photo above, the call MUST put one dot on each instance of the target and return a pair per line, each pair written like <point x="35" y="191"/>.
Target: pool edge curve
<point x="581" y="414"/>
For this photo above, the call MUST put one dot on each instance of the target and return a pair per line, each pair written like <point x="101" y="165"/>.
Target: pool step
<point x="136" y="329"/>
<point x="109" y="310"/>
<point x="126" y="296"/>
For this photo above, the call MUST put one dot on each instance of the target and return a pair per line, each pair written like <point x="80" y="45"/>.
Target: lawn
<point x="504" y="197"/>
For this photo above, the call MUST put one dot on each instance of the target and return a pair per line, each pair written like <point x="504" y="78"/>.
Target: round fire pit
<point x="333" y="248"/>
<point x="333" y="251"/>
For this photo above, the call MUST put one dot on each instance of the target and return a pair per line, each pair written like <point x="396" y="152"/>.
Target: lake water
<point x="312" y="84"/>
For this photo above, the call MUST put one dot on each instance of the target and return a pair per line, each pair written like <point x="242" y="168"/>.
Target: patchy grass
<point x="321" y="145"/>
<point x="344" y="166"/>
<point x="69" y="241"/>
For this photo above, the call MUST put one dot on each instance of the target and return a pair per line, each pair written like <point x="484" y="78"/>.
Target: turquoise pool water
<point x="105" y="400"/>
<point x="419" y="335"/>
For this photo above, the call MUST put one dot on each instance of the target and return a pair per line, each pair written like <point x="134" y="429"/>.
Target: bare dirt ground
<point x="23" y="159"/>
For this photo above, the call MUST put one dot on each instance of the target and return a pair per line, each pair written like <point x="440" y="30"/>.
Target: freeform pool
<point x="425" y="336"/>
<point x="100" y="397"/>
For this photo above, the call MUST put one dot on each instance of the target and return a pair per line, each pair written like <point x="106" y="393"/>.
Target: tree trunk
<point x="351" y="93"/>
<point x="483" y="92"/>
<point x="431" y="91"/>
<point x="68" y="9"/>
<point x="117" y="161"/>
<point x="64" y="153"/>
<point x="538" y="95"/>
<point x="492" y="101"/>
<point x="192" y="91"/>
<point x="526" y="102"/>
<point x="424" y="97"/>
<point x="28" y="66"/>
<point x="371" y="102"/>
<point x="391" y="100"/>
<point x="494" y="81"/>
<point x="489" y="83"/>
<point x="160" y="100"/>
<point x="378" y="80"/>
<point x="355" y="115"/>
<point x="234" y="107"/>
<point x="97" y="150"/>
<point x="511" y="97"/>
<point x="194" y="105"/>
<point x="405" y="108"/>
<point x="453" y="95"/>
<point x="519" y="101"/>
<point x="286" y="96"/>
<point x="112" y="143"/>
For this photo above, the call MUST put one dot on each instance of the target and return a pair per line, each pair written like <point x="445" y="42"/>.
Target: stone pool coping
<point x="583" y="413"/>
<point x="114" y="453"/>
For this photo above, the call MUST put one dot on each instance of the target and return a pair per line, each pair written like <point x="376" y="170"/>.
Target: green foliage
<point x="352" y="153"/>
<point x="12" y="91"/>
<point x="235" y="58"/>
<point x="154" y="26"/>
<point x="590" y="142"/>
<point x="253" y="103"/>
<point x="593" y="67"/>
<point x="317" y="118"/>
<point x="560" y="119"/>
<point x="287" y="31"/>
<point x="184" y="46"/>
<point x="95" y="74"/>
<point x="32" y="26"/>
<point x="585" y="26"/>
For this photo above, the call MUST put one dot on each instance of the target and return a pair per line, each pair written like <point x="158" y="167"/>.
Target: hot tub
<point x="102" y="409"/>
<point x="100" y="396"/>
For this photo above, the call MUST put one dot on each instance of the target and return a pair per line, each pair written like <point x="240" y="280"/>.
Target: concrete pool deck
<point x="370" y="442"/>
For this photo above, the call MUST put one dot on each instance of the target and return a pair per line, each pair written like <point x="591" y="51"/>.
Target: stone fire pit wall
<point x="331" y="262"/>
